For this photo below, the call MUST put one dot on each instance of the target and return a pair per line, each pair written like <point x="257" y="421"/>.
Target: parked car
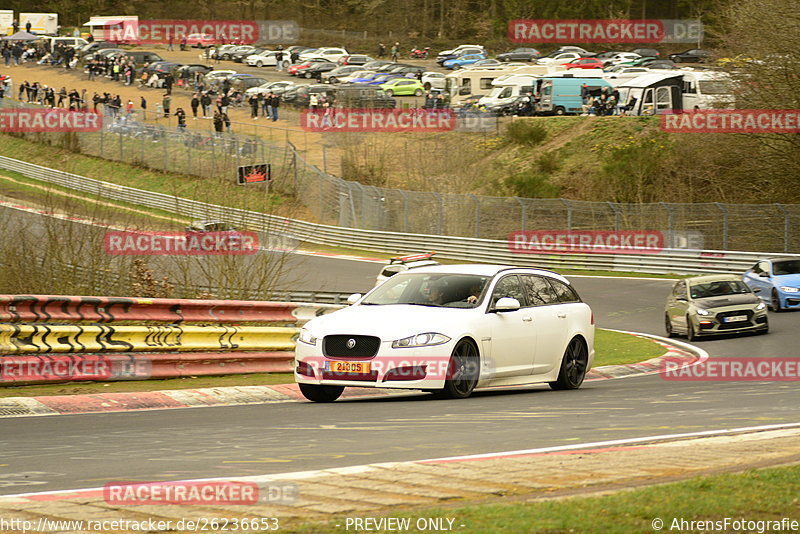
<point x="584" y="63"/>
<point x="713" y="304"/>
<point x="648" y="52"/>
<point x="403" y="86"/>
<point x="486" y="62"/>
<point x="448" y="330"/>
<point x="187" y="72"/>
<point x="200" y="40"/>
<point x="694" y="55"/>
<point x="227" y="54"/>
<point x="330" y="54"/>
<point x="95" y="46"/>
<point x="265" y="58"/>
<point x="362" y="97"/>
<point x="776" y="281"/>
<point x="433" y="80"/>
<point x="457" y="51"/>
<point x="269" y="87"/>
<point x="406" y="70"/>
<point x="355" y="59"/>
<point x="559" y="59"/>
<point x="316" y="70"/>
<point x="357" y="75"/>
<point x="297" y="69"/>
<point x="376" y="64"/>
<point x="302" y="96"/>
<point x="220" y="51"/>
<point x="520" y="54"/>
<point x="334" y="76"/>
<point x="243" y="82"/>
<point x="620" y="57"/>
<point x="216" y="76"/>
<point x="240" y="55"/>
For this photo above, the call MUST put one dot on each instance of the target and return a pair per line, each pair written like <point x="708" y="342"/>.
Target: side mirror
<point x="681" y="299"/>
<point x="355" y="297"/>
<point x="756" y="290"/>
<point x="763" y="275"/>
<point x="506" y="304"/>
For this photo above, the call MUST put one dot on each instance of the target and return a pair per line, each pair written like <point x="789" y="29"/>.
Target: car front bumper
<point x="715" y="324"/>
<point x="406" y="368"/>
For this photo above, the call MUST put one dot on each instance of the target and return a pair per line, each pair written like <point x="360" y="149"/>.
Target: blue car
<point x="366" y="79"/>
<point x="776" y="281"/>
<point x="463" y="61"/>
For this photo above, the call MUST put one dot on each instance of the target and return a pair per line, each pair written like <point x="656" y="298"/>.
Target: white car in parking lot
<point x="267" y="58"/>
<point x="450" y="329"/>
<point x="331" y="54"/>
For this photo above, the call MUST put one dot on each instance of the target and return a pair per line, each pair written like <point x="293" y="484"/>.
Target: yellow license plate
<point x="349" y="367"/>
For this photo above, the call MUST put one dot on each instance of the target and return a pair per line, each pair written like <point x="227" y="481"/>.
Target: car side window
<point x="763" y="267"/>
<point x="538" y="291"/>
<point x="565" y="293"/>
<point x="679" y="290"/>
<point x="508" y="286"/>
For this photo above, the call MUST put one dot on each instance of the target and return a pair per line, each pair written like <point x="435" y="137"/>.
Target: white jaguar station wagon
<point x="449" y="329"/>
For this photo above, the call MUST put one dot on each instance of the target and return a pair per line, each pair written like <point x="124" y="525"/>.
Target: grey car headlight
<point x="420" y="340"/>
<point x="703" y="311"/>
<point x="306" y="337"/>
<point x="761" y="306"/>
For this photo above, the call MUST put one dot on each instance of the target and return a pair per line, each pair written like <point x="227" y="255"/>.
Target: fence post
<point x="724" y="211"/>
<point x="615" y="209"/>
<point x="477" y="216"/>
<point x="405" y="209"/>
<point x="524" y="218"/>
<point x="440" y="211"/>
<point x="569" y="212"/>
<point x="668" y="209"/>
<point x="786" y="228"/>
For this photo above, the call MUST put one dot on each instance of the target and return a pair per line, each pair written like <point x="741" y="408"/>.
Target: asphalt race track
<point x="83" y="451"/>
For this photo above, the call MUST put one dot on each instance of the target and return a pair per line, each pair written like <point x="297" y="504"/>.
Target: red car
<point x="584" y="63"/>
<point x="297" y="70"/>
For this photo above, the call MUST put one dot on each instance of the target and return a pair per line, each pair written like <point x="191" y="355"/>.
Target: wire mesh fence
<point x="335" y="201"/>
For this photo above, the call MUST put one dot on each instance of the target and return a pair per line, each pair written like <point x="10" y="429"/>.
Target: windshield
<point x="718" y="289"/>
<point x="435" y="290"/>
<point x="786" y="267"/>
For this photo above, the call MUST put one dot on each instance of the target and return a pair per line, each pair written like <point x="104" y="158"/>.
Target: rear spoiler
<point x="414" y="257"/>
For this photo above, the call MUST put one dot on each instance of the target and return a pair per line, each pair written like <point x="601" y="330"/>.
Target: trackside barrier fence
<point x="35" y="347"/>
<point x="675" y="260"/>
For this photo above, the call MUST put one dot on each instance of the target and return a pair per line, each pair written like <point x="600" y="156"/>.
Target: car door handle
<point x="527" y="319"/>
<point x="562" y="315"/>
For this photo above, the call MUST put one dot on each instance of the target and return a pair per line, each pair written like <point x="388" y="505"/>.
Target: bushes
<point x="526" y="133"/>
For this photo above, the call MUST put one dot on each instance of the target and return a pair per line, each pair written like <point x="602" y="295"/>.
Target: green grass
<point x="766" y="494"/>
<point x="614" y="348"/>
<point x="87" y="388"/>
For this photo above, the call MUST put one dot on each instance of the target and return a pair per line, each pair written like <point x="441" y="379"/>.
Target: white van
<point x="74" y="42"/>
<point x="506" y="89"/>
<point x="707" y="89"/>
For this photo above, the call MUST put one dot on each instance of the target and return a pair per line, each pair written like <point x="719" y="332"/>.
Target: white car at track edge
<point x="449" y="329"/>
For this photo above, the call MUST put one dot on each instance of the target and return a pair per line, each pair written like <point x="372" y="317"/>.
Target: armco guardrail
<point x="59" y="308"/>
<point x="678" y="261"/>
<point x="36" y="347"/>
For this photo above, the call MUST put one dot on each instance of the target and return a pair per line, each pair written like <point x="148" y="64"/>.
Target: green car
<point x="714" y="304"/>
<point x="403" y="86"/>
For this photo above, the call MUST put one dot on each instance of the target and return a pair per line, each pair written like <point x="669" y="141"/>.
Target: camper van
<point x="656" y="93"/>
<point x="561" y="94"/>
<point x="461" y="84"/>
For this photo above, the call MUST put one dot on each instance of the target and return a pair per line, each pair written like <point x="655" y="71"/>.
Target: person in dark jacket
<point x="181" y="115"/>
<point x="195" y="104"/>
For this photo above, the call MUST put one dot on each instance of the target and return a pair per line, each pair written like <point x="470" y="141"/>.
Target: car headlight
<point x="787" y="289"/>
<point x="306" y="337"/>
<point x="761" y="306"/>
<point x="702" y="311"/>
<point x="420" y="340"/>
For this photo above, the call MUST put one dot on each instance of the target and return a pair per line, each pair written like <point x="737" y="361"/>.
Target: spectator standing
<point x="166" y="103"/>
<point x="227" y="121"/>
<point x="143" y="105"/>
<point x="169" y="44"/>
<point x="254" y="106"/>
<point x="274" y="103"/>
<point x="279" y="60"/>
<point x="218" y="124"/>
<point x="205" y="101"/>
<point x="181" y="115"/>
<point x="129" y="108"/>
<point x="28" y="26"/>
<point x="224" y="103"/>
<point x="262" y="103"/>
<point x="395" y="51"/>
<point x="294" y="56"/>
<point x="381" y="51"/>
<point x="195" y="104"/>
<point x="62" y="94"/>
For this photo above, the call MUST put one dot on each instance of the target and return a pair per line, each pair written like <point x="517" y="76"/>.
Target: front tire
<point x="775" y="302"/>
<point x="691" y="335"/>
<point x="560" y="111"/>
<point x="462" y="372"/>
<point x="418" y="92"/>
<point x="389" y="93"/>
<point x="259" y="63"/>
<point x="573" y="366"/>
<point x="668" y="326"/>
<point x="317" y="393"/>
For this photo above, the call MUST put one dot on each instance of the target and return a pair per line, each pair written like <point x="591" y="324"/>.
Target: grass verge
<point x="757" y="495"/>
<point x="614" y="348"/>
